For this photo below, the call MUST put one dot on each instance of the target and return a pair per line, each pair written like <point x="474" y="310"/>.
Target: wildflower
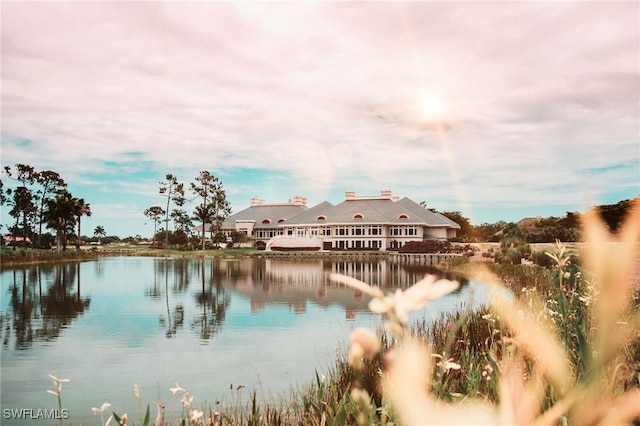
<point x="196" y="415"/>
<point x="450" y="365"/>
<point x="57" y="383"/>
<point x="355" y="356"/>
<point x="58" y="380"/>
<point x="429" y="288"/>
<point x="488" y="318"/>
<point x="101" y="410"/>
<point x="122" y="421"/>
<point x="486" y="372"/>
<point x="103" y="407"/>
<point x="366" y="340"/>
<point x="363" y="344"/>
<point x="398" y="305"/>
<point x="186" y="400"/>
<point x="357" y="284"/>
<point x="177" y="389"/>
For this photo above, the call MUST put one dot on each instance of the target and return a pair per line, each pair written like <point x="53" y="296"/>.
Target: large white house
<point x="379" y="222"/>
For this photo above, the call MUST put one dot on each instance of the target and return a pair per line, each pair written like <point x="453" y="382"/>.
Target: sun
<point x="433" y="108"/>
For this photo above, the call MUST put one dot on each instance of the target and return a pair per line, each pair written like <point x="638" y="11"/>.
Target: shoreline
<point x="29" y="257"/>
<point x="24" y="257"/>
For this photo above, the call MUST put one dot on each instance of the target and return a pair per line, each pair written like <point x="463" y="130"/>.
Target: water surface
<point x="207" y="324"/>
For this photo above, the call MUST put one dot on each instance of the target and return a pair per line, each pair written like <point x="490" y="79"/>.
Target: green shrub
<point x="540" y="258"/>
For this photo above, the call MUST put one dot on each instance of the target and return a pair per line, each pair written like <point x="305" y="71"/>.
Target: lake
<point x="207" y="324"/>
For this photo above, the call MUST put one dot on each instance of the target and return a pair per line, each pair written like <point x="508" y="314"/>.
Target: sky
<point x="500" y="110"/>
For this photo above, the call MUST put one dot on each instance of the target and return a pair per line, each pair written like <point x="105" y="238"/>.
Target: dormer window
<point x="358" y="216"/>
<point x="403" y="216"/>
<point x="281" y="220"/>
<point x="266" y="221"/>
<point x="321" y="217"/>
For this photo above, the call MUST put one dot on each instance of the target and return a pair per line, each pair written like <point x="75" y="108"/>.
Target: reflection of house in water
<point x="296" y="282"/>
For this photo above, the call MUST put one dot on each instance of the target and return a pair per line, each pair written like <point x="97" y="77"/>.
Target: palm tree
<point x="80" y="209"/>
<point x="99" y="232"/>
<point x="59" y="214"/>
<point x="204" y="214"/>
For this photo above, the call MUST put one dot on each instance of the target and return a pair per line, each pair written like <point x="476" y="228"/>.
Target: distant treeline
<point x="39" y="200"/>
<point x="540" y="229"/>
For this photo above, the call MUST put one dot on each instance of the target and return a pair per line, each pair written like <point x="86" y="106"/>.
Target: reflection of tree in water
<point x="98" y="267"/>
<point x="177" y="272"/>
<point x="43" y="300"/>
<point x="213" y="300"/>
<point x="173" y="322"/>
<point x="171" y="325"/>
<point x="163" y="268"/>
<point x="174" y="276"/>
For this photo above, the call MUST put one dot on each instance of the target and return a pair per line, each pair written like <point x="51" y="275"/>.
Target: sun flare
<point x="433" y="108"/>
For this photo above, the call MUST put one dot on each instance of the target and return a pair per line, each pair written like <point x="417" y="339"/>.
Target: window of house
<point x="403" y="216"/>
<point x="358" y="230"/>
<point x="375" y="244"/>
<point x="321" y="217"/>
<point x="358" y="216"/>
<point x="375" y="230"/>
<point x="266" y="221"/>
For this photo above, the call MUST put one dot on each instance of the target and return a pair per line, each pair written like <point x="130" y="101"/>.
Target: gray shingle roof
<point x="265" y="212"/>
<point x="374" y="211"/>
<point x="311" y="215"/>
